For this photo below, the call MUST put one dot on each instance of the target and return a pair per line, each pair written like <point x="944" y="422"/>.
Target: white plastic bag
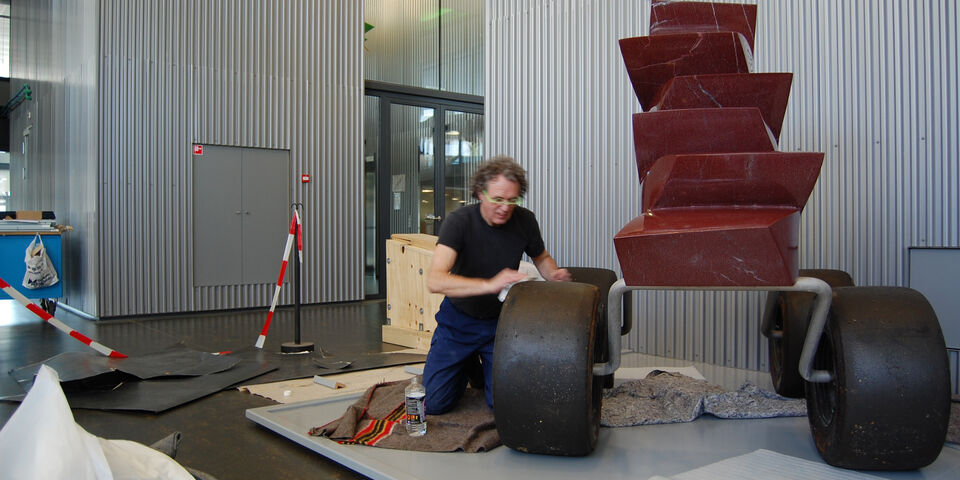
<point x="40" y="272"/>
<point x="42" y="440"/>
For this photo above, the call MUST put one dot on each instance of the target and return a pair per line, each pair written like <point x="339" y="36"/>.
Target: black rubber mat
<point x="174" y="361"/>
<point x="175" y="376"/>
<point x="291" y="366"/>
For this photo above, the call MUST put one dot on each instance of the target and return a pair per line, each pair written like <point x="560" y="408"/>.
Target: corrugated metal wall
<point x="53" y="49"/>
<point x="875" y="88"/>
<point x="280" y="75"/>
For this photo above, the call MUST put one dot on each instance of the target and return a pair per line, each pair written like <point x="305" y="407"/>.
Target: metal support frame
<point x="818" y="320"/>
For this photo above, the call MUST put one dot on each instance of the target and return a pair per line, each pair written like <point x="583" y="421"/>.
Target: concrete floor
<point x="217" y="438"/>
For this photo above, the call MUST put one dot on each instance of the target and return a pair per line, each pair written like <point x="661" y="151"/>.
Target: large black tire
<point x="788" y="315"/>
<point x="888" y="404"/>
<point x="602" y="279"/>
<point x="545" y="397"/>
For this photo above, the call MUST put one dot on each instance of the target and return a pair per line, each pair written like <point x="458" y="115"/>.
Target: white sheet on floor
<point x="42" y="440"/>
<point x="766" y="465"/>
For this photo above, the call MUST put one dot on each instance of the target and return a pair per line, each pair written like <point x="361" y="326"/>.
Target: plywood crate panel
<point x="410" y="305"/>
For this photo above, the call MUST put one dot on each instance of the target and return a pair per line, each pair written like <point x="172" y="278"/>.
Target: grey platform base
<point x="634" y="453"/>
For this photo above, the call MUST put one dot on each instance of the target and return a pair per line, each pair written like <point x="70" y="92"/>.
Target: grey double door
<point x="241" y="214"/>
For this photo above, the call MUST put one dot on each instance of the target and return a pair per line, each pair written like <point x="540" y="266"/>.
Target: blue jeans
<point x="457" y="339"/>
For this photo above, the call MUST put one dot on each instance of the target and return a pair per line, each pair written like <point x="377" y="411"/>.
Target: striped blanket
<point x="376" y="419"/>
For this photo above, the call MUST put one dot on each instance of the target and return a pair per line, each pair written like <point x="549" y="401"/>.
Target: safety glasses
<point x="503" y="201"/>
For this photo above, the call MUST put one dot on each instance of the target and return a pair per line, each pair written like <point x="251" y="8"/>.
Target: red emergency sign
<point x="305" y="178"/>
<point x="198" y="149"/>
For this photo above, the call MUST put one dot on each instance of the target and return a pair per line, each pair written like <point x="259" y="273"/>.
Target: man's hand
<point x="441" y="281"/>
<point x="547" y="267"/>
<point x="504" y="278"/>
<point x="560" y="275"/>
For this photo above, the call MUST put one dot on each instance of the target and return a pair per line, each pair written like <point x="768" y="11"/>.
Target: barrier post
<point x="297" y="346"/>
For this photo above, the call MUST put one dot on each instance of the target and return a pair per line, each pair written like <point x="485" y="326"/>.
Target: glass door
<point x="412" y="186"/>
<point x="371" y="152"/>
<point x="419" y="154"/>
<point x="463" y="152"/>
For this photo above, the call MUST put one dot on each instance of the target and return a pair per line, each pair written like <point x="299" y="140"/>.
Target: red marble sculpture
<point x="767" y="91"/>
<point x="719" y="220"/>
<point x="721" y="207"/>
<point x="782" y="179"/>
<point x="668" y="17"/>
<point x="652" y="61"/>
<point x="699" y="130"/>
<point x="710" y="247"/>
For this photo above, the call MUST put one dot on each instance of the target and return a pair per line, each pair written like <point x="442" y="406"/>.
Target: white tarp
<point x="42" y="440"/>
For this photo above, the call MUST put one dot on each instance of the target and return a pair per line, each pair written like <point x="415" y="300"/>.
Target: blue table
<point x="13" y="247"/>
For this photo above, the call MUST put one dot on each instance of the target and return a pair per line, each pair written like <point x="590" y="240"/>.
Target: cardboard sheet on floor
<point x="303" y="389"/>
<point x="114" y="390"/>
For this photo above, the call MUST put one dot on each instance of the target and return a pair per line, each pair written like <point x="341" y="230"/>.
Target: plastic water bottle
<point x="415" y="420"/>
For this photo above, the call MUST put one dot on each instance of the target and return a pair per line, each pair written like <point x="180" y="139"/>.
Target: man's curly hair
<point x="499" y="165"/>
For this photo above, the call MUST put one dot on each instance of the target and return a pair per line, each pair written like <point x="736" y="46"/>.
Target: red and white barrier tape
<point x="33" y="307"/>
<point x="294" y="229"/>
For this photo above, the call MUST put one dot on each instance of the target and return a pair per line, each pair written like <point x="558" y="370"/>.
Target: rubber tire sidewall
<point x="545" y="397"/>
<point x="891" y="386"/>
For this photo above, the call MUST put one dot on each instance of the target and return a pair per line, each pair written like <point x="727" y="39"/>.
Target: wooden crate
<point x="410" y="305"/>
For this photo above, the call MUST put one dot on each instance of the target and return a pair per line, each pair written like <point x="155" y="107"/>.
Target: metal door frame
<point x="440" y="102"/>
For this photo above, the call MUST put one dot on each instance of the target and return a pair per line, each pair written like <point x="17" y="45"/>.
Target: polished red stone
<point x="721" y="207"/>
<point x="667" y="17"/>
<point x="652" y="61"/>
<point x="719" y="246"/>
<point x="727" y="219"/>
<point x="700" y="130"/>
<point x="767" y="91"/>
<point x="769" y="179"/>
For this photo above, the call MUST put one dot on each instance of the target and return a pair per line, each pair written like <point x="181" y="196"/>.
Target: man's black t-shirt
<point x="483" y="251"/>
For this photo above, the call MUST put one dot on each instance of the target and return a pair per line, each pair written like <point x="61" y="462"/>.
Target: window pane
<point x="4" y="181"/>
<point x="371" y="145"/>
<point x="461" y="46"/>
<point x="5" y="46"/>
<point x="463" y="153"/>
<point x="402" y="47"/>
<point x="435" y="44"/>
<point x="411" y="169"/>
